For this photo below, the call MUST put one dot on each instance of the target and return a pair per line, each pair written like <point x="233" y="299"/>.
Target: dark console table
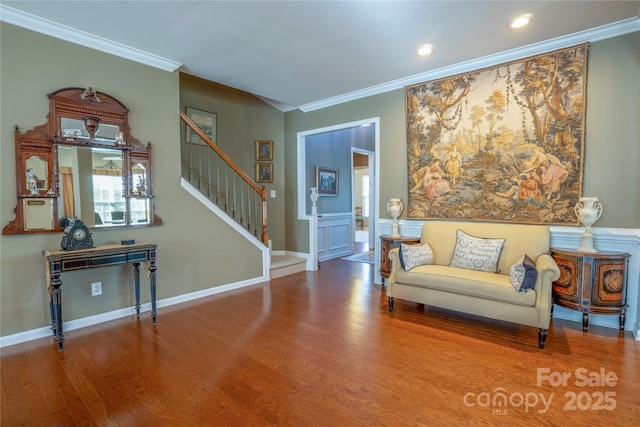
<point x="60" y="261"/>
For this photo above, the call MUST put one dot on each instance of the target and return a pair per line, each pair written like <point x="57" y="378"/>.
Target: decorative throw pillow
<point x="414" y="255"/>
<point x="476" y="253"/>
<point x="523" y="274"/>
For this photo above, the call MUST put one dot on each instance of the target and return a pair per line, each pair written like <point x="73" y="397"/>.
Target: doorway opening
<point x="362" y="189"/>
<point x="332" y="230"/>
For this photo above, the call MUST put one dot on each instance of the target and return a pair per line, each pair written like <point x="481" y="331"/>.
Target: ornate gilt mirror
<point x="83" y="163"/>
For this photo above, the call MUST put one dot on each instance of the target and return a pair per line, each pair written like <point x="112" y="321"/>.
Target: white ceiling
<point x="309" y="54"/>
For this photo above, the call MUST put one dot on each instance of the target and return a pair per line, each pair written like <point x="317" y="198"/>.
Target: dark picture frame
<point x="206" y="121"/>
<point x="264" y="172"/>
<point x="327" y="181"/>
<point x="264" y="150"/>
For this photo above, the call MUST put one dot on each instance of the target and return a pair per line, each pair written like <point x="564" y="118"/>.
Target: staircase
<point x="214" y="179"/>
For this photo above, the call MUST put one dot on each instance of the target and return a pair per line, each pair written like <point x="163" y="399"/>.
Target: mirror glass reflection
<point x="91" y="187"/>
<point x="74" y="128"/>
<point x="36" y="174"/>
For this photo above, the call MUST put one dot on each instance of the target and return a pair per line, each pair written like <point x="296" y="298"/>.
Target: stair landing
<point x="284" y="265"/>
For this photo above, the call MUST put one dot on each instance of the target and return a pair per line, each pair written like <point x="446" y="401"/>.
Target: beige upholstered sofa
<point x="486" y="294"/>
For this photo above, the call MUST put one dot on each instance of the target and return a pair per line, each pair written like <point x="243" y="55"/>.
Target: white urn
<point x="395" y="207"/>
<point x="588" y="210"/>
<point x="314" y="200"/>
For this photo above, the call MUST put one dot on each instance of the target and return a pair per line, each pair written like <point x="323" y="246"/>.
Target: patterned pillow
<point x="414" y="255"/>
<point x="523" y="274"/>
<point x="475" y="253"/>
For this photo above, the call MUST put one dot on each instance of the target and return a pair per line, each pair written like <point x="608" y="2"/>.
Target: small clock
<point x="76" y="236"/>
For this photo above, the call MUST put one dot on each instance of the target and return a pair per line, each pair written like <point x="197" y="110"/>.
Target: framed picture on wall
<point x="206" y="121"/>
<point x="327" y="181"/>
<point x="264" y="150"/>
<point x="264" y="172"/>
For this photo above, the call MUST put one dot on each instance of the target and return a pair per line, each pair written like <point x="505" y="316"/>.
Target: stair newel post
<point x="265" y="235"/>
<point x="313" y="231"/>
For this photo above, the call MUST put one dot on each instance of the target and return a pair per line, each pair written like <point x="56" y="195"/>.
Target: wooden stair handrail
<point x="262" y="191"/>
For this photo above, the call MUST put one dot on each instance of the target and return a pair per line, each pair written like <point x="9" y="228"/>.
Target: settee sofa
<point x="489" y="294"/>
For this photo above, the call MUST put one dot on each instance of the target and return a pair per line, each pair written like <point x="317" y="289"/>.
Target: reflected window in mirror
<point x="91" y="185"/>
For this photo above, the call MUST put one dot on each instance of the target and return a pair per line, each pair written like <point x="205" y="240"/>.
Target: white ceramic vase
<point x="314" y="200"/>
<point x="588" y="211"/>
<point x="395" y="207"/>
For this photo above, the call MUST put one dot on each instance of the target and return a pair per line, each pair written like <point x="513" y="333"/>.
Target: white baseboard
<point x="71" y="325"/>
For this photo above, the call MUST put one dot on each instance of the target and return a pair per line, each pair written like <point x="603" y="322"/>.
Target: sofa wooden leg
<point x="390" y="299"/>
<point x="542" y="337"/>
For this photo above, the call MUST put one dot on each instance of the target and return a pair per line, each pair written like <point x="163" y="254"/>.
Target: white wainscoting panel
<point x="335" y="235"/>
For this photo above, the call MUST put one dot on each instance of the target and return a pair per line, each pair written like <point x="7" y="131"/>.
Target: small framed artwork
<point x="264" y="150"/>
<point x="40" y="184"/>
<point x="327" y="181"/>
<point x="264" y="172"/>
<point x="204" y="120"/>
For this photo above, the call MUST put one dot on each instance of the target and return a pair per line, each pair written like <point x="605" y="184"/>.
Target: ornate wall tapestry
<point x="503" y="144"/>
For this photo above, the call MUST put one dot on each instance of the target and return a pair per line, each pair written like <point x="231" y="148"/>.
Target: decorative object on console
<point x="395" y="207"/>
<point x="76" y="236"/>
<point x="588" y="211"/>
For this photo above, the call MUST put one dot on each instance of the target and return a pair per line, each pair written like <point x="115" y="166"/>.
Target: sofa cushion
<point x="476" y="253"/>
<point x="523" y="274"/>
<point x="455" y="280"/>
<point x="414" y="255"/>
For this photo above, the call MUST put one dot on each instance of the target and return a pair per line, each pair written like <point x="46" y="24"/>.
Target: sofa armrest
<point x="548" y="272"/>
<point x="394" y="257"/>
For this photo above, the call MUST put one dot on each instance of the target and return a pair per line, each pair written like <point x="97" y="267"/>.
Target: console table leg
<point x="390" y="299"/>
<point x="622" y="319"/>
<point x="57" y="312"/>
<point x="136" y="285"/>
<point x="152" y="284"/>
<point x="585" y="322"/>
<point x="55" y="303"/>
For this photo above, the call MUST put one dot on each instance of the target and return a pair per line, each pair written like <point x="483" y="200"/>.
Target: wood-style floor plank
<point x="316" y="349"/>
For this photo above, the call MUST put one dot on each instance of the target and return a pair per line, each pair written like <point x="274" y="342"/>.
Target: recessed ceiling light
<point x="425" y="50"/>
<point x="520" y="21"/>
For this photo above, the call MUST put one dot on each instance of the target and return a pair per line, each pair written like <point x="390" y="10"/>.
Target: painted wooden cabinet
<point x="591" y="283"/>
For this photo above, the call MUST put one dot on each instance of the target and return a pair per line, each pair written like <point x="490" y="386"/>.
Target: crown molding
<point x="49" y="28"/>
<point x="592" y="35"/>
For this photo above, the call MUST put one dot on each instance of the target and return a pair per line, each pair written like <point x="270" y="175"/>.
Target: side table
<point x="386" y="244"/>
<point x="591" y="283"/>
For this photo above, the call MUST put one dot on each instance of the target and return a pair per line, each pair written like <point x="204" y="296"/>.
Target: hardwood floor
<point x="319" y="349"/>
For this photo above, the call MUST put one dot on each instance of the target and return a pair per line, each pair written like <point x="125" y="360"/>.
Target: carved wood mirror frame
<point x="38" y="185"/>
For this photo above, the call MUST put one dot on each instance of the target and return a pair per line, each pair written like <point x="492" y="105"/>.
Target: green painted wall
<point x="612" y="138"/>
<point x="196" y="250"/>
